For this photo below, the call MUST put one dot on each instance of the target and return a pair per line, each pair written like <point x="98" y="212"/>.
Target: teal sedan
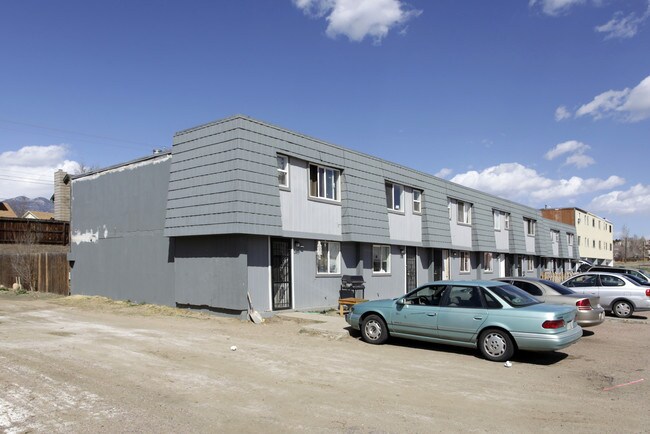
<point x="496" y="317"/>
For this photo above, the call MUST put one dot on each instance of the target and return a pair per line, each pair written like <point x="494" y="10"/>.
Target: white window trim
<point x="530" y="224"/>
<point x="390" y="199"/>
<point x="284" y="170"/>
<point x="320" y="252"/>
<point x="506" y="224"/>
<point x="337" y="179"/>
<point x="382" y="248"/>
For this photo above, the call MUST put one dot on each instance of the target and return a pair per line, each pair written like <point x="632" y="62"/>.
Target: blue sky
<point x="545" y="102"/>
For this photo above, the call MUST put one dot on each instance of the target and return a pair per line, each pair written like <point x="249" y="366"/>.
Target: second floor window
<point x="569" y="239"/>
<point x="496" y="216"/>
<point x="417" y="201"/>
<point x="464" y="213"/>
<point x="555" y="237"/>
<point x="283" y="171"/>
<point x="394" y="196"/>
<point x="324" y="182"/>
<point x="506" y="221"/>
<point x="530" y="227"/>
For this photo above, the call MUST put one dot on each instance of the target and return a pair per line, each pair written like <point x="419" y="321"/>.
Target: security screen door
<point x="281" y="273"/>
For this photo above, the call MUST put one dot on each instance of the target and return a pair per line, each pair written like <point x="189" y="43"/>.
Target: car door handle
<point x="432" y="314"/>
<point x="478" y="317"/>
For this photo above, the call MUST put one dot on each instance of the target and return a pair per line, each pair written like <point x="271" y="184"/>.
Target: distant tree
<point x="86" y="168"/>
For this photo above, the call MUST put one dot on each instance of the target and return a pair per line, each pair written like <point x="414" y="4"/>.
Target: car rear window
<point x="559" y="288"/>
<point x="514" y="296"/>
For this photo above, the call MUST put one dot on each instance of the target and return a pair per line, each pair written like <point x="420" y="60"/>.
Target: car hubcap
<point x="494" y="344"/>
<point x="373" y="330"/>
<point x="622" y="309"/>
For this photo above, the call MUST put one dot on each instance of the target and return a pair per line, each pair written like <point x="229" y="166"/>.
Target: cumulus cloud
<point x="635" y="200"/>
<point x="631" y="105"/>
<point x="444" y="172"/>
<point x="555" y="7"/>
<point x="358" y="19"/>
<point x="577" y="150"/>
<point x="562" y="113"/>
<point x="29" y="171"/>
<point x="623" y="27"/>
<point x="517" y="182"/>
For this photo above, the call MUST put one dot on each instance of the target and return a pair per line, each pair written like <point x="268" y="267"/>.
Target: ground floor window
<point x="487" y="262"/>
<point x="328" y="257"/>
<point x="465" y="264"/>
<point x="380" y="259"/>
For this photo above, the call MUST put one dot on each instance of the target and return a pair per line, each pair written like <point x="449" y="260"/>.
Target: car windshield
<point x="514" y="296"/>
<point x="559" y="288"/>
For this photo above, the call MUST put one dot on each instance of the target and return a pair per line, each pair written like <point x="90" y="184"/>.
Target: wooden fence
<point x="31" y="231"/>
<point x="45" y="272"/>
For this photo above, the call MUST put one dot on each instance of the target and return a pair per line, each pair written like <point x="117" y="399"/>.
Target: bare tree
<point x="24" y="260"/>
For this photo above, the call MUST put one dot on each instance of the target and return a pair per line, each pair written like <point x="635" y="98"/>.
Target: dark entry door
<point x="508" y="266"/>
<point x="411" y="269"/>
<point x="281" y="273"/>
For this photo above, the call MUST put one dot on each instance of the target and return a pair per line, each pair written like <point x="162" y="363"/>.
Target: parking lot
<point x="90" y="365"/>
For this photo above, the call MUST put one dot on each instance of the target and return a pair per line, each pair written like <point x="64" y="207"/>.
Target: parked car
<point x="590" y="312"/>
<point x="496" y="317"/>
<point x="618" y="293"/>
<point x="621" y="270"/>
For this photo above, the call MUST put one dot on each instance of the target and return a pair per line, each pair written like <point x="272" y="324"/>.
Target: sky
<point x="544" y="102"/>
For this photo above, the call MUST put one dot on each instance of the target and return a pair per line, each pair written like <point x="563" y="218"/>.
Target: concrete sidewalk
<point x="331" y="326"/>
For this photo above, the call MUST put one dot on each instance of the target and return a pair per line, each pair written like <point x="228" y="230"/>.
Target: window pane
<point x="334" y="249"/>
<point x="321" y="182"/>
<point x="313" y="181"/>
<point x="336" y="185"/>
<point x="389" y="196"/>
<point x="397" y="196"/>
<point x="329" y="183"/>
<point x="461" y="212"/>
<point x="321" y="257"/>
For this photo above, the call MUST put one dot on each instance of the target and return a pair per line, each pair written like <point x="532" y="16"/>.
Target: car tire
<point x="622" y="309"/>
<point x="496" y="345"/>
<point x="374" y="330"/>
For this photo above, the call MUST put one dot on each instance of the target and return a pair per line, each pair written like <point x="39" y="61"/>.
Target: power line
<point x="95" y="136"/>
<point x="27" y="180"/>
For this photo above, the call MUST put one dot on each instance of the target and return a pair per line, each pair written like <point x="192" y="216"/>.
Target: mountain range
<point x="21" y="204"/>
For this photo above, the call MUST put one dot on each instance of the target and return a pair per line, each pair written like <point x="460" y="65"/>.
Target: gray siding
<point x="118" y="246"/>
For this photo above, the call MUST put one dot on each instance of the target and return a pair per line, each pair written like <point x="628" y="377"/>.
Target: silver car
<point x="618" y="294"/>
<point x="590" y="312"/>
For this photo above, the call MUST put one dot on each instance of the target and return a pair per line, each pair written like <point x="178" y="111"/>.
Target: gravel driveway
<point x="80" y="364"/>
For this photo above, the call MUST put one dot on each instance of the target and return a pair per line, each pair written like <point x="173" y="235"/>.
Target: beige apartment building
<point x="595" y="234"/>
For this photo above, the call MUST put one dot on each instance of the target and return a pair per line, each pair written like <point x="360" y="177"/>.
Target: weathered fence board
<point x="30" y="231"/>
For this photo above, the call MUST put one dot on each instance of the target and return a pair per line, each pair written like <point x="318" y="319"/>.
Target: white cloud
<point x="632" y="201"/>
<point x="555" y="7"/>
<point x="562" y="113"/>
<point x="577" y="150"/>
<point x="520" y="183"/>
<point x="623" y="26"/>
<point x="358" y="19"/>
<point x="631" y="105"/>
<point x="444" y="172"/>
<point x="29" y="171"/>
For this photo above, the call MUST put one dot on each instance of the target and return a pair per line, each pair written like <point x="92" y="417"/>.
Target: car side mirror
<point x="400" y="301"/>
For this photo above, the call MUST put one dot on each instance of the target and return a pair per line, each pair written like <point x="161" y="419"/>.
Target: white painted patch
<point x="123" y="168"/>
<point x="87" y="237"/>
<point x="105" y="232"/>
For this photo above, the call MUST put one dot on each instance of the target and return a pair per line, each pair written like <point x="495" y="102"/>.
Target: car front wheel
<point x="496" y="345"/>
<point x="623" y="309"/>
<point x="374" y="330"/>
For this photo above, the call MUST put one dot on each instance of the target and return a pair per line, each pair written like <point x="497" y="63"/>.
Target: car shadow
<point x="544" y="358"/>
<point x="586" y="333"/>
<point x="632" y="317"/>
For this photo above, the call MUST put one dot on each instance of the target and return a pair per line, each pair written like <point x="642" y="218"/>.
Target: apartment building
<point x="595" y="240"/>
<point x="243" y="207"/>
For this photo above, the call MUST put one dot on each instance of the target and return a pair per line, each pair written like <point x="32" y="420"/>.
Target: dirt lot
<point x="89" y="365"/>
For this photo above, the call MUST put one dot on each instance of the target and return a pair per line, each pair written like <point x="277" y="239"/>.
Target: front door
<point x="446" y="265"/>
<point x="502" y="265"/>
<point x="281" y="273"/>
<point x="437" y="264"/>
<point x="411" y="269"/>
